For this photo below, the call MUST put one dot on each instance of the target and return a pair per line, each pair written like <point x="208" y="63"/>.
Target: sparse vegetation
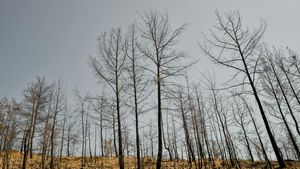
<point x="130" y="162"/>
<point x="148" y="105"/>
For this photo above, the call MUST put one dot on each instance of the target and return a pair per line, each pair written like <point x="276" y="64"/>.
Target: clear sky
<point x="53" y="38"/>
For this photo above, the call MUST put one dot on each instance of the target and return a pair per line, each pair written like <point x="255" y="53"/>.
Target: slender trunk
<point x="290" y="83"/>
<point x="224" y="127"/>
<point x="195" y="127"/>
<point x="25" y="154"/>
<point x="101" y="128"/>
<point x="117" y="90"/>
<point x="6" y="143"/>
<point x="220" y="147"/>
<point x="167" y="147"/>
<point x="242" y="124"/>
<point x="45" y="143"/>
<point x="114" y="134"/>
<point x="248" y="144"/>
<point x="190" y="152"/>
<point x="285" y="98"/>
<point x="152" y="147"/>
<point x="198" y="142"/>
<point x="68" y="142"/>
<point x="32" y="127"/>
<point x="136" y="112"/>
<point x="159" y="113"/>
<point x="95" y="143"/>
<point x="23" y="140"/>
<point x="283" y="117"/>
<point x="52" y="148"/>
<point x="203" y="126"/>
<point x="262" y="112"/>
<point x="83" y="137"/>
<point x="259" y="138"/>
<point x="89" y="137"/>
<point x="174" y="140"/>
<point x="52" y="140"/>
<point x="62" y="136"/>
<point x="85" y="141"/>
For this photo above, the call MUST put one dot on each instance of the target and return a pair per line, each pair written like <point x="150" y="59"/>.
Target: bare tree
<point x="276" y="61"/>
<point x="202" y="124"/>
<point x="137" y="83"/>
<point x="99" y="105"/>
<point x="71" y="135"/>
<point x="271" y="79"/>
<point x="8" y="129"/>
<point x="158" y="46"/>
<point x="183" y="112"/>
<point x="166" y="137"/>
<point x="58" y="106"/>
<point x="241" y="120"/>
<point x="45" y="134"/>
<point x="231" y="39"/>
<point x="222" y="117"/>
<point x="82" y="102"/>
<point x="64" y="121"/>
<point x="262" y="147"/>
<point x="109" y="66"/>
<point x="36" y="96"/>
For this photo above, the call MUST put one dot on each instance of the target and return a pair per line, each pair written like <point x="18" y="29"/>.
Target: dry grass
<point x="112" y="163"/>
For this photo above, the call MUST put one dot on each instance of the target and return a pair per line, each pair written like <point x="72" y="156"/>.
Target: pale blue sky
<point x="54" y="38"/>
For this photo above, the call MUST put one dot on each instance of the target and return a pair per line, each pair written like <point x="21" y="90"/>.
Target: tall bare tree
<point x="99" y="105"/>
<point x="36" y="97"/>
<point x="182" y="109"/>
<point x="275" y="60"/>
<point x="158" y="46"/>
<point x="137" y="83"/>
<point x="262" y="147"/>
<point x="8" y="129"/>
<point x="58" y="105"/>
<point x="241" y="120"/>
<point x="109" y="66"/>
<point x="45" y="134"/>
<point x="82" y="103"/>
<point x="235" y="47"/>
<point x="270" y="80"/>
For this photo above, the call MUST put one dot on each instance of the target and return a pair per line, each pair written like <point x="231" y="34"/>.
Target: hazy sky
<point x="54" y="38"/>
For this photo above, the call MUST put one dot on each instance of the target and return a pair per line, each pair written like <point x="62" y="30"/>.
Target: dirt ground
<point x="15" y="162"/>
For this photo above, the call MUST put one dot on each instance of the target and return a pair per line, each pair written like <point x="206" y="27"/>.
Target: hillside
<point x="15" y="162"/>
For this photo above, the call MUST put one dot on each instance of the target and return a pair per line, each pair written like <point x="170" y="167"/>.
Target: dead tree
<point x="71" y="134"/>
<point x="275" y="61"/>
<point x="109" y="66"/>
<point x="36" y="97"/>
<point x="222" y="122"/>
<point x="158" y="46"/>
<point x="63" y="134"/>
<point x="203" y="126"/>
<point x="195" y="124"/>
<point x="262" y="147"/>
<point x="240" y="116"/>
<point x="45" y="140"/>
<point x="8" y="128"/>
<point x="182" y="109"/>
<point x="270" y="81"/>
<point x="231" y="39"/>
<point x="82" y="102"/>
<point x="137" y="84"/>
<point x="99" y="105"/>
<point x="58" y="106"/>
<point x="166" y="137"/>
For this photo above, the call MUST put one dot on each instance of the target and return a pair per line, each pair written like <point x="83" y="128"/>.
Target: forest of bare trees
<point x="150" y="108"/>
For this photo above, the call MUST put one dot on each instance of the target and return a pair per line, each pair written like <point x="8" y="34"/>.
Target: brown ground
<point x="112" y="163"/>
